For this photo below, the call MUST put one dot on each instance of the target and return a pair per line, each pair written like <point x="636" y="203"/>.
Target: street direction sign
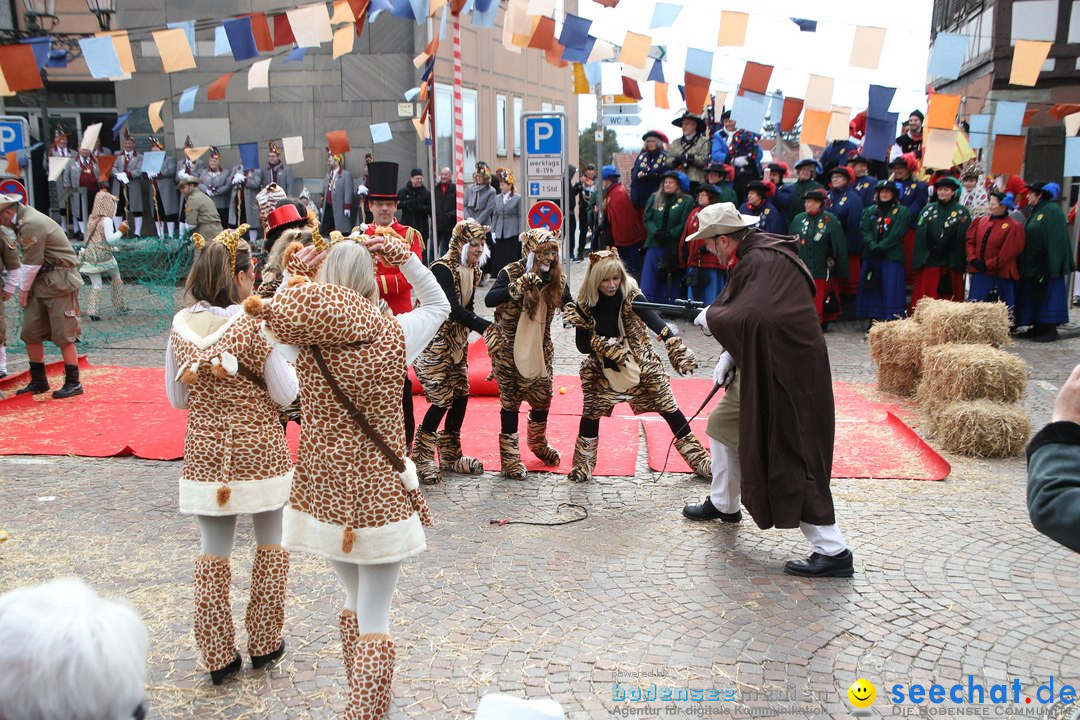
<point x="621" y="109"/>
<point x="544" y="166"/>
<point x="552" y="188"/>
<point x="622" y="120"/>
<point x="546" y="214"/>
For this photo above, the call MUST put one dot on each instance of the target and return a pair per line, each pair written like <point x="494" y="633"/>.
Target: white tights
<point x="218" y="531"/>
<point x="369" y="590"/>
<point x="725" y="496"/>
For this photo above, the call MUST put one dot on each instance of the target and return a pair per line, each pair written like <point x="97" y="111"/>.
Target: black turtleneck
<point x="606" y="314"/>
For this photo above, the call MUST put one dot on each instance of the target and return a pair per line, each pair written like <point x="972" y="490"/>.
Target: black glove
<point x="979" y="265"/>
<point x="939" y="251"/>
<point x="877" y="253"/>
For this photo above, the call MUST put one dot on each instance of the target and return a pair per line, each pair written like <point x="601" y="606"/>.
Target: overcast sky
<point x="772" y="39"/>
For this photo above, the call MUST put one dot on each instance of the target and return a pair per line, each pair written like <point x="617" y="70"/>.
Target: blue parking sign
<point x="11" y="136"/>
<point x="544" y="135"/>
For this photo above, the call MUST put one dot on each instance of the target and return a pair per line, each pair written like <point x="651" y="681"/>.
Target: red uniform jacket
<point x="1003" y="238"/>
<point x="393" y="287"/>
<point x="693" y="253"/>
<point x="622" y="218"/>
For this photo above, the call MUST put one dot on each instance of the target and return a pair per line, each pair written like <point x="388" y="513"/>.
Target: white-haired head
<point x="68" y="654"/>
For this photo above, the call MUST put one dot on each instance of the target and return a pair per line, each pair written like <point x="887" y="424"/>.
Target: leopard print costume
<point x="235" y="456"/>
<point x="347" y="501"/>
<point x="653" y="391"/>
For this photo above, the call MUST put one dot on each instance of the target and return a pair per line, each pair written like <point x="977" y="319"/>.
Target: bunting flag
<point x="790" y="114"/>
<point x="338" y="142"/>
<point x="283" y="34"/>
<point x="174" y="49"/>
<point x="105" y="166"/>
<point x="154" y="113"/>
<point x="20" y="68"/>
<point x="241" y="39"/>
<point x="630" y="88"/>
<point x="218" y="88"/>
<point x="13" y="164"/>
<point x="697" y="92"/>
<point x="260" y="28"/>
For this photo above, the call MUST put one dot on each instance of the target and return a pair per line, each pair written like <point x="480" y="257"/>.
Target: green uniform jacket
<point x="798" y="192"/>
<point x="44" y="243"/>
<point x="664" y="227"/>
<point x="1053" y="490"/>
<point x="887" y="242"/>
<point x="821" y="237"/>
<point x="1047" y="252"/>
<point x="727" y="193"/>
<point x="941" y="236"/>
<point x="201" y="213"/>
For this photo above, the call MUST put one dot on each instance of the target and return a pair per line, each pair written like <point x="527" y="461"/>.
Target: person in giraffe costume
<point x="221" y="367"/>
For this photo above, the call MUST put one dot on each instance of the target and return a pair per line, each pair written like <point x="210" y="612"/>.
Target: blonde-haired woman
<point x="220" y="366"/>
<point x="620" y="363"/>
<point x="97" y="259"/>
<point x="356" y="500"/>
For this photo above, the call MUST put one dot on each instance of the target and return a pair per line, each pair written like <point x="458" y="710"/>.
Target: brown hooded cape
<point x="765" y="318"/>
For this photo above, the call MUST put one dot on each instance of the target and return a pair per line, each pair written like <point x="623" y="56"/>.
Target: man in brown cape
<point x="776" y="367"/>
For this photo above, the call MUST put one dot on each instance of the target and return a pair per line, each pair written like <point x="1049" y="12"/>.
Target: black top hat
<point x="382" y="180"/>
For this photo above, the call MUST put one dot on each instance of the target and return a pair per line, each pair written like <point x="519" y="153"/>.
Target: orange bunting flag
<point x="20" y="68"/>
<point x="338" y="142"/>
<point x="217" y="89"/>
<point x="105" y="166"/>
<point x="13" y="163"/>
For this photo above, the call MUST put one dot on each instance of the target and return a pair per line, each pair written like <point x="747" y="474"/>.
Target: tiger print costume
<point x="621" y="366"/>
<point x="523" y="366"/>
<point x="443" y="366"/>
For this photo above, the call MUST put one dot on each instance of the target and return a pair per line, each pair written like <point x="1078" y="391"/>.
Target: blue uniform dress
<point x="769" y="218"/>
<point x="914" y="194"/>
<point x="847" y="206"/>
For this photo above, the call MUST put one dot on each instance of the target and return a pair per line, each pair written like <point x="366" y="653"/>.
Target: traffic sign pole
<point x="544" y="165"/>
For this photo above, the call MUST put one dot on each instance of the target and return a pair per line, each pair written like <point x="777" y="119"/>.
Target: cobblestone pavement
<point x="951" y="580"/>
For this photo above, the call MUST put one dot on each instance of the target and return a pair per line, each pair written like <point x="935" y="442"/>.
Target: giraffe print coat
<point x="347" y="502"/>
<point x="235" y="456"/>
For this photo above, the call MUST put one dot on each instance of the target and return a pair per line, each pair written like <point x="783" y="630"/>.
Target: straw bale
<point x="982" y="428"/>
<point x="899" y="379"/>
<point x="956" y="371"/>
<point x="897" y="342"/>
<point x="946" y="321"/>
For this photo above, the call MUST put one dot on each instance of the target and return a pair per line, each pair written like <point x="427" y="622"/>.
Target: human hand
<point x="1067" y="405"/>
<point x="700" y="320"/>
<point x="740" y="162"/>
<point x="830" y="262"/>
<point x="573" y="316"/>
<point x="979" y="265"/>
<point x="303" y="260"/>
<point x="724" y="372"/>
<point x="24" y="298"/>
<point x="389" y="247"/>
<point x="123" y="177"/>
<point x="7" y="296"/>
<point x="123" y="229"/>
<point x="610" y="348"/>
<point x="348" y="213"/>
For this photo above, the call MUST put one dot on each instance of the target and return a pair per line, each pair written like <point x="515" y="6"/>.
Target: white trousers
<point x="725" y="495"/>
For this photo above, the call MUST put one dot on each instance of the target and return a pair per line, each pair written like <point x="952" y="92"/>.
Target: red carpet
<point x="871" y="441"/>
<point x="124" y="412"/>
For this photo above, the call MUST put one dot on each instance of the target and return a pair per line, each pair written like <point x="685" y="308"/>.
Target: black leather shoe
<point x="818" y="565"/>
<point x="1048" y="333"/>
<point x="218" y="676"/>
<point x="705" y="510"/>
<point x="257" y="661"/>
<point x="69" y="390"/>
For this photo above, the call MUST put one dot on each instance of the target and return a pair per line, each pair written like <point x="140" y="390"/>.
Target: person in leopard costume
<point x="525" y="296"/>
<point x="230" y="377"/>
<point x="620" y="363"/>
<point x="443" y="367"/>
<point x="348" y="503"/>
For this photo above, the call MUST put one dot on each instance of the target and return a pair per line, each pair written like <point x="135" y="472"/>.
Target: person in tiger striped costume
<point x="525" y="296"/>
<point x="620" y="363"/>
<point x="443" y="366"/>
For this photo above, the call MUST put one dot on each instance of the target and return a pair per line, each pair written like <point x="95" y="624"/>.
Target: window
<point x="517" y="125"/>
<point x="560" y="108"/>
<point x="1034" y="20"/>
<point x="545" y="107"/>
<point x="500" y="125"/>
<point x="444" y="125"/>
<point x="468" y="126"/>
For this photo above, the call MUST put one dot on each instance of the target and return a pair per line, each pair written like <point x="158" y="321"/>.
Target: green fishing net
<point x="153" y="270"/>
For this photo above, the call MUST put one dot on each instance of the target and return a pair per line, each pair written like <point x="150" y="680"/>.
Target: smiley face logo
<point x="862" y="693"/>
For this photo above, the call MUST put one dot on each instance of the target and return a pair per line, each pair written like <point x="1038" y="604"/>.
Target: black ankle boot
<point x="218" y="676"/>
<point x="72" y="386"/>
<point x="38" y="382"/>
<point x="257" y="661"/>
